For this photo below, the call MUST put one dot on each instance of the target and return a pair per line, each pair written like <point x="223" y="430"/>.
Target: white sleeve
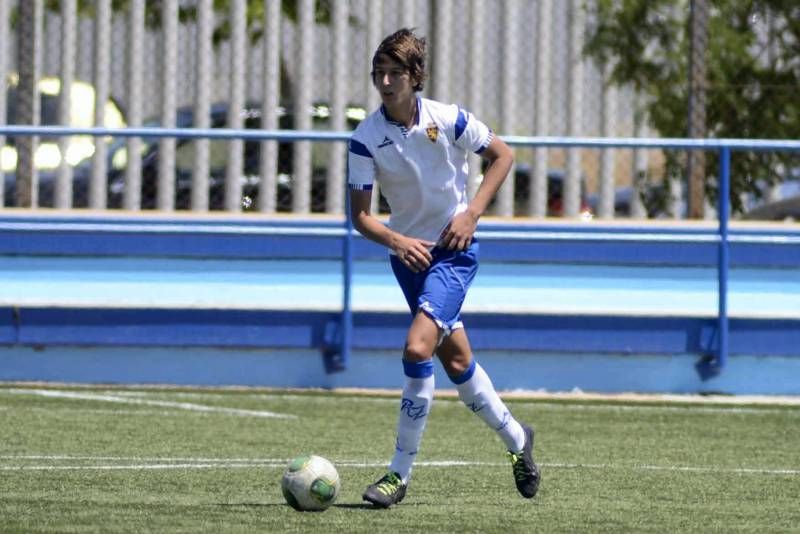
<point x="470" y="133"/>
<point x="360" y="166"/>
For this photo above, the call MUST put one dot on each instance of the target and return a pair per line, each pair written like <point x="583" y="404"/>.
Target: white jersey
<point x="422" y="171"/>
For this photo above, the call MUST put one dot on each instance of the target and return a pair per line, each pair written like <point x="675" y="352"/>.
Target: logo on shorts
<point x="432" y="131"/>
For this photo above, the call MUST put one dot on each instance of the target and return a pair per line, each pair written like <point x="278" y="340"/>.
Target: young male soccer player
<point x="417" y="150"/>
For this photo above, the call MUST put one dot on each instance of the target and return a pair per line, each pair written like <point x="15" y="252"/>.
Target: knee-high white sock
<point x="414" y="408"/>
<point x="475" y="389"/>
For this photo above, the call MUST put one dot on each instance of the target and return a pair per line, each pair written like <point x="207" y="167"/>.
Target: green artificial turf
<point x="168" y="460"/>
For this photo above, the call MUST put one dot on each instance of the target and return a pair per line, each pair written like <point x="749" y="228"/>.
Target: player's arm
<point x="412" y="252"/>
<point x="458" y="234"/>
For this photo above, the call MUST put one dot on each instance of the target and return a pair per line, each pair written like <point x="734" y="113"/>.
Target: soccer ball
<point x="310" y="483"/>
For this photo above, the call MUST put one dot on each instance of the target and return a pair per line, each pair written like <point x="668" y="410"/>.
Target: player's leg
<point x="414" y="408"/>
<point x="476" y="391"/>
<point x="417" y="392"/>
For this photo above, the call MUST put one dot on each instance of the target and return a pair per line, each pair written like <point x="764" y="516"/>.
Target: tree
<point x="753" y="77"/>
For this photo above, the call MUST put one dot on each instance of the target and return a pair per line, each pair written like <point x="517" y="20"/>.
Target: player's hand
<point x="458" y="234"/>
<point x="414" y="253"/>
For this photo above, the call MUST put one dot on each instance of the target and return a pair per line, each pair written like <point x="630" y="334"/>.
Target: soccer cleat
<point x="387" y="491"/>
<point x="526" y="473"/>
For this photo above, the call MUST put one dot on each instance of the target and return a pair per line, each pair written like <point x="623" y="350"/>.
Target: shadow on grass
<point x="250" y="504"/>
<point x="357" y="506"/>
<point x="351" y="506"/>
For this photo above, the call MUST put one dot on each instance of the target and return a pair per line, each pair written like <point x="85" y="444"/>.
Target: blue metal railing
<point x="344" y="336"/>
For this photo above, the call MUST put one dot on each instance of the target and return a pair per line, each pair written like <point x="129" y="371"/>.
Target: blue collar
<point x="392" y="121"/>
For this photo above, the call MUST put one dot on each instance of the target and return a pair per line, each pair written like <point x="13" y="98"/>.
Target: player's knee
<point x="417" y="351"/>
<point x="455" y="366"/>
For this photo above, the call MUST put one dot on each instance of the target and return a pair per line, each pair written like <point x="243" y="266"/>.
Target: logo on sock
<point x="414" y="411"/>
<point x="475" y="408"/>
<point x="506" y="419"/>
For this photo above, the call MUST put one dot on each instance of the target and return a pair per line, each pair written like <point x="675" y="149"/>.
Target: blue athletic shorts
<point x="440" y="290"/>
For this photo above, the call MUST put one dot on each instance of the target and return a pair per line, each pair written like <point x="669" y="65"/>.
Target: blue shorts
<point x="439" y="290"/>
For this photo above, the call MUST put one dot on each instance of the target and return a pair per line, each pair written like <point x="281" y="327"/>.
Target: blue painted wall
<point x="66" y="339"/>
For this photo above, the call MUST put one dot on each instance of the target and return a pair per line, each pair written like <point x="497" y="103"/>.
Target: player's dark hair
<point x="407" y="49"/>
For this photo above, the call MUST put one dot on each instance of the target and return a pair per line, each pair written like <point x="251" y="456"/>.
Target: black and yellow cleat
<point x="387" y="491"/>
<point x="526" y="473"/>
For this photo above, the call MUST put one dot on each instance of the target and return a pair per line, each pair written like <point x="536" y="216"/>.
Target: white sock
<point x="414" y="409"/>
<point x="475" y="389"/>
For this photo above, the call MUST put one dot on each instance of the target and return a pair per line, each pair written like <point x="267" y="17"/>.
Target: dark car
<point x="786" y="209"/>
<point x="555" y="193"/>
<point x="218" y="157"/>
<point x="778" y="202"/>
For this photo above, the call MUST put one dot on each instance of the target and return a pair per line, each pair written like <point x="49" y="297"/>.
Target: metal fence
<point x="723" y="147"/>
<point x="301" y="64"/>
<point x="169" y="63"/>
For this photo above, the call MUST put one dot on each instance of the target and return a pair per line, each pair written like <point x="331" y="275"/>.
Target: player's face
<point x="393" y="82"/>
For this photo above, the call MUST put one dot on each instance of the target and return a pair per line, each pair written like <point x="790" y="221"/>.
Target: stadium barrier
<point x="338" y="334"/>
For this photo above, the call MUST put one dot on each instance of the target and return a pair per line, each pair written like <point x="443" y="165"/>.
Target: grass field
<point x="168" y="460"/>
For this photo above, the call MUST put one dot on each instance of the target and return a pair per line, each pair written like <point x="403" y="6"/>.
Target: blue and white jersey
<point x="422" y="171"/>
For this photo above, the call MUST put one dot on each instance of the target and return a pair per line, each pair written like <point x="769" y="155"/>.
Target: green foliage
<point x="753" y="76"/>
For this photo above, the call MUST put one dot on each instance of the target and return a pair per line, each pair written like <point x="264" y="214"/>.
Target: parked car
<point x="783" y="203"/>
<point x="48" y="156"/>
<point x="786" y="209"/>
<point x="555" y="193"/>
<point x="218" y="157"/>
<point x="656" y="200"/>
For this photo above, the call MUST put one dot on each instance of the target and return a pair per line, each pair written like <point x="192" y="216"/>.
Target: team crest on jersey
<point x="432" y="131"/>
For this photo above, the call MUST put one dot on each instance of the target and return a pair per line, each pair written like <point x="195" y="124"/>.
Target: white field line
<point x="449" y="403"/>
<point x="107" y="411"/>
<point x="139" y="397"/>
<point x="644" y="400"/>
<point x="129" y="400"/>
<point x="244" y="463"/>
<point x="682" y="408"/>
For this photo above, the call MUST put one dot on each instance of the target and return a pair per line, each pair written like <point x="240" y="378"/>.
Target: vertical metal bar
<point x="572" y="178"/>
<point x="29" y="38"/>
<point x="442" y="46"/>
<point x="202" y="104"/>
<point x="724" y="196"/>
<point x="374" y="20"/>
<point x="98" y="186"/>
<point x="408" y="14"/>
<point x="132" y="197"/>
<point x="509" y="82"/>
<point x="347" y="273"/>
<point x="235" y="167"/>
<point x="477" y="44"/>
<point x="62" y="194"/>
<point x="166" y="145"/>
<point x="608" y="115"/>
<point x="638" y="210"/>
<point x="269" y="106"/>
<point x="538" y="198"/>
<point x="301" y="157"/>
<point x="4" y="46"/>
<point x="334" y="203"/>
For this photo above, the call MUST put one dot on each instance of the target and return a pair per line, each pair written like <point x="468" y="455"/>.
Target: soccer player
<point x="417" y="150"/>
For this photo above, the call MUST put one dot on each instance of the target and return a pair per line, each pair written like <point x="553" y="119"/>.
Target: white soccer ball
<point x="310" y="483"/>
